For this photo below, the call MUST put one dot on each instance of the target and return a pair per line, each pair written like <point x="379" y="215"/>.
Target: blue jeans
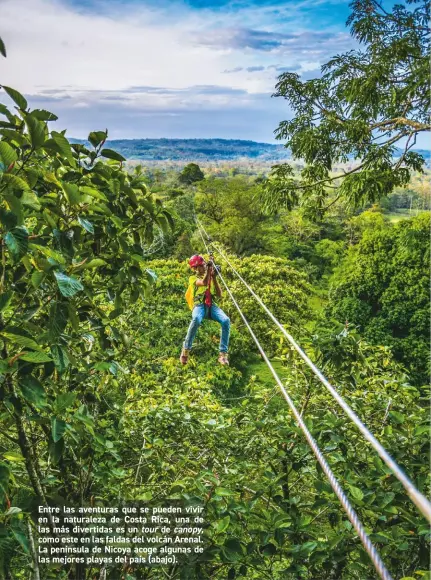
<point x="217" y="314"/>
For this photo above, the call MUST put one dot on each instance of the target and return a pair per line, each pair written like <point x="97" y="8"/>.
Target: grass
<point x="402" y="214"/>
<point x="261" y="370"/>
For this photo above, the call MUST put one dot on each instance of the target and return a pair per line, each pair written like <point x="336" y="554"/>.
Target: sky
<point x="166" y="68"/>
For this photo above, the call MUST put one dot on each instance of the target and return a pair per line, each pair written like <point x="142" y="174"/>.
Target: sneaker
<point x="184" y="356"/>
<point x="222" y="359"/>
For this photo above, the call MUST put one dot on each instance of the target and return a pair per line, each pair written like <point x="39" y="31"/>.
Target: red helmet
<point x="196" y="260"/>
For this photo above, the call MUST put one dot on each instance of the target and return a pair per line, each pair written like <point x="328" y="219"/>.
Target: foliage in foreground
<point x="221" y="437"/>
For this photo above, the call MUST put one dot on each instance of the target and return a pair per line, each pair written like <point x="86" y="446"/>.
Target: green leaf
<point x="12" y="511"/>
<point x="4" y="480"/>
<point x="91" y="191"/>
<point x="95" y="263"/>
<point x="58" y="427"/>
<point x="7" y="155"/>
<point x="233" y="549"/>
<point x="5" y="300"/>
<point x="44" y="115"/>
<point x="223" y="524"/>
<point x="16" y="97"/>
<point x="30" y="199"/>
<point x="2" y="48"/>
<point x="32" y="390"/>
<point x="115" y="313"/>
<point x="87" y="225"/>
<point x="68" y="285"/>
<point x="13" y="456"/>
<point x="72" y="193"/>
<point x="22" y="539"/>
<point x="222" y="491"/>
<point x="56" y="450"/>
<point x="37" y="278"/>
<point x="111" y="154"/>
<point x="36" y="130"/>
<point x="270" y="549"/>
<point x="49" y="253"/>
<point x="14" y="205"/>
<point x="152" y="276"/>
<point x="60" y="358"/>
<point x="36" y="357"/>
<point x="16" y="241"/>
<point x="64" y="401"/>
<point x="397" y="417"/>
<point x="7" y="218"/>
<point x="63" y="146"/>
<point x="96" y="137"/>
<point x="23" y="341"/>
<point x="418" y="431"/>
<point x="356" y="492"/>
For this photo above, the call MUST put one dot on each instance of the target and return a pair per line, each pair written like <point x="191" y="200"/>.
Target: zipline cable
<point x="348" y="508"/>
<point x="421" y="502"/>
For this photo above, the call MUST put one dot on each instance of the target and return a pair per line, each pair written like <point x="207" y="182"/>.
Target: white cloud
<point x="51" y="44"/>
<point x="133" y="67"/>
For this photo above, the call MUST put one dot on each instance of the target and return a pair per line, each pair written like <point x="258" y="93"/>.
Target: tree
<point x="383" y="288"/>
<point x="366" y="103"/>
<point x="73" y="228"/>
<point x="191" y="174"/>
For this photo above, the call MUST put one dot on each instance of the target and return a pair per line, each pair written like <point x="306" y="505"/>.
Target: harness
<point x="206" y="299"/>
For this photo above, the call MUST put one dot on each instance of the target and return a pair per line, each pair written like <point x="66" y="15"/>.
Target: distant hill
<point x="194" y="149"/>
<point x="203" y="149"/>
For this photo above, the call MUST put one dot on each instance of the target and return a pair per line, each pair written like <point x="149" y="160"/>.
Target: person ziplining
<point x="201" y="296"/>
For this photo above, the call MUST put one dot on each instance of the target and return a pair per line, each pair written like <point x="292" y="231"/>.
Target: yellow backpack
<point x="190" y="298"/>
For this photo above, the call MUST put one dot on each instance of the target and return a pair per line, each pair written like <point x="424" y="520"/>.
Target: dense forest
<point x="194" y="149"/>
<point x="95" y="407"/>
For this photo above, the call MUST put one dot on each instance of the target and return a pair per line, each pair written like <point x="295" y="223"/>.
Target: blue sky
<point x="167" y="68"/>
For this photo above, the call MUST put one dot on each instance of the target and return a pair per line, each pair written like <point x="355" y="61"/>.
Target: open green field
<point x="396" y="216"/>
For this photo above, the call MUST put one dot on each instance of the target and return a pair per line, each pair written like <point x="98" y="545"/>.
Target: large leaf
<point x="64" y="401"/>
<point x="30" y="199"/>
<point x="87" y="225"/>
<point x="22" y="539"/>
<point x="36" y="357"/>
<point x="16" y="97"/>
<point x="16" y="241"/>
<point x="56" y="450"/>
<point x="232" y="549"/>
<point x="72" y="193"/>
<point x="60" y="358"/>
<point x="5" y="300"/>
<point x="32" y="390"/>
<point x="63" y="146"/>
<point x="8" y="219"/>
<point x="356" y="492"/>
<point x="96" y="137"/>
<point x="23" y="341"/>
<point x="111" y="154"/>
<point x="14" y="205"/>
<point x="44" y="115"/>
<point x="68" y="285"/>
<point x="58" y="427"/>
<point x="7" y="155"/>
<point x="58" y="317"/>
<point x="36" y="130"/>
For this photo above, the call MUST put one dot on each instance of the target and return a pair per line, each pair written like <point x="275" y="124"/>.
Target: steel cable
<point x="414" y="494"/>
<point x="351" y="514"/>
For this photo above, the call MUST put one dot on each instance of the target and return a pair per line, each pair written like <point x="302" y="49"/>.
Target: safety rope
<point x="351" y="514"/>
<point x="415" y="495"/>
